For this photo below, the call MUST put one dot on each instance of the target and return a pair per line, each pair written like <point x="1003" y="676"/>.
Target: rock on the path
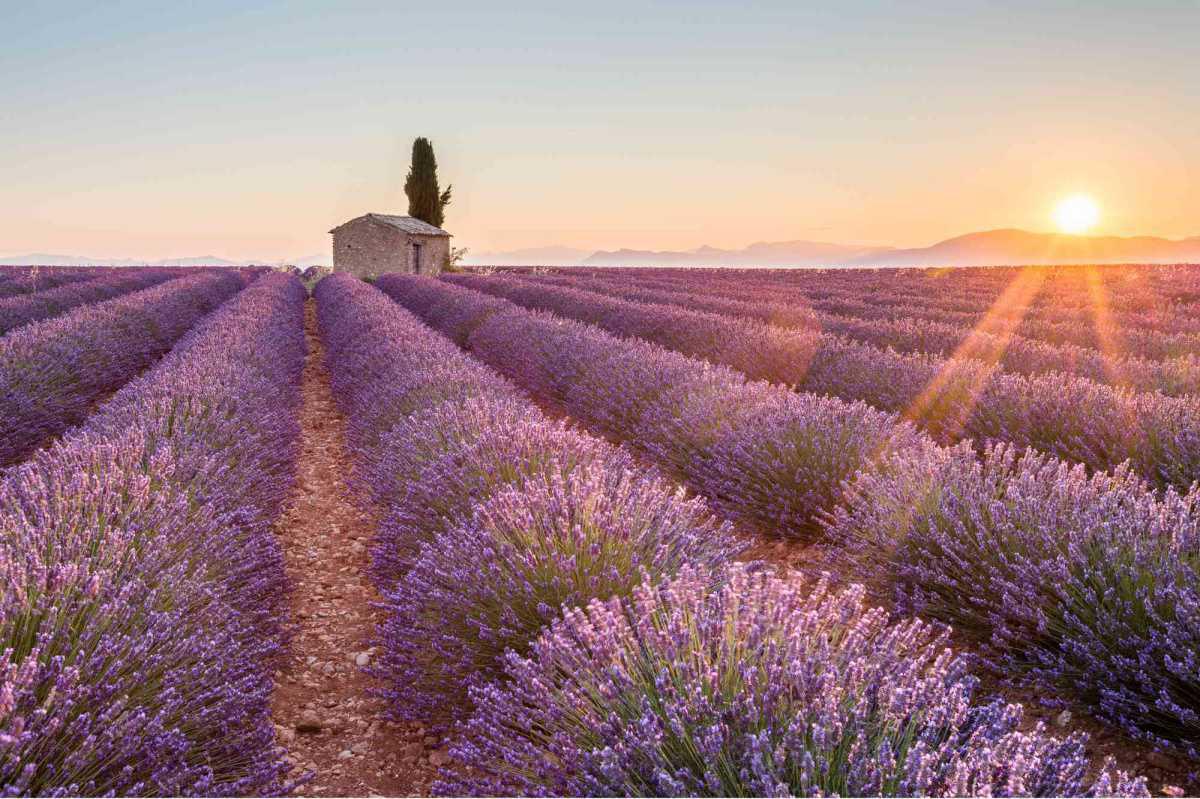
<point x="345" y="754"/>
<point x="362" y="659"/>
<point x="309" y="723"/>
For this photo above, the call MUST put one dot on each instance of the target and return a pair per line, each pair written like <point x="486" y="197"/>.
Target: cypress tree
<point x="425" y="201"/>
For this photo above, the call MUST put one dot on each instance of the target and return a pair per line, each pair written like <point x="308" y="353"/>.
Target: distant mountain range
<point x="49" y="259"/>
<point x="763" y="253"/>
<point x="997" y="247"/>
<point x="986" y="248"/>
<point x="531" y="256"/>
<point x="991" y="247"/>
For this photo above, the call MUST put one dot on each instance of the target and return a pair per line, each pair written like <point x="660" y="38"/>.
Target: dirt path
<point x="325" y="716"/>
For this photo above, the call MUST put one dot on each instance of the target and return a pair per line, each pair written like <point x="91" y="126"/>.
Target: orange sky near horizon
<point x="249" y="133"/>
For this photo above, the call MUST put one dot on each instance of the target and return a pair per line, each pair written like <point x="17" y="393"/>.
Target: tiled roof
<point x="406" y="223"/>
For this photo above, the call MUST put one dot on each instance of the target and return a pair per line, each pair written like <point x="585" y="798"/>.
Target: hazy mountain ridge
<point x="50" y="259"/>
<point x="1008" y="246"/>
<point x="763" y="253"/>
<point x="529" y="256"/>
<point x="984" y="248"/>
<point x="1011" y="246"/>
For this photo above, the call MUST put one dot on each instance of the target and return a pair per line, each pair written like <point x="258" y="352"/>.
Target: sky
<point x="247" y="130"/>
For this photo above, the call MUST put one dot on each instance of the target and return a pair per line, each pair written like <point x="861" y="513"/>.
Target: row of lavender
<point x="1088" y="585"/>
<point x="992" y="343"/>
<point x="1064" y="293"/>
<point x="141" y="617"/>
<point x="583" y="623"/>
<point x="1073" y="418"/>
<point x="15" y="281"/>
<point x="26" y="308"/>
<point x="53" y="372"/>
<point x="1170" y="330"/>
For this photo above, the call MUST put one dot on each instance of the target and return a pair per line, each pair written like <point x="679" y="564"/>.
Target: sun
<point x="1076" y="214"/>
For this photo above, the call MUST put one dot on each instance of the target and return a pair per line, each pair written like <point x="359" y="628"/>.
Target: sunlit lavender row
<point x="18" y="280"/>
<point x="492" y="515"/>
<point x="995" y="342"/>
<point x="800" y="465"/>
<point x="1161" y="298"/>
<point x="1118" y="315"/>
<point x="1070" y="417"/>
<point x="497" y="520"/>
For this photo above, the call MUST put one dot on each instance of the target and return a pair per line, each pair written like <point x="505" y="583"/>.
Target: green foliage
<point x="454" y="259"/>
<point x="425" y="200"/>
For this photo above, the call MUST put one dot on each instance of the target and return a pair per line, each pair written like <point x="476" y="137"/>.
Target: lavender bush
<point x="540" y="514"/>
<point x="1086" y="584"/>
<point x="438" y="463"/>
<point x="952" y="398"/>
<point x="1076" y="305"/>
<point x="1176" y="376"/>
<point x="140" y="622"/>
<point x="779" y="460"/>
<point x="1057" y="316"/>
<point x="377" y="379"/>
<point x="765" y="687"/>
<point x="1095" y="425"/>
<point x="26" y="308"/>
<point x="768" y="456"/>
<point x="53" y="372"/>
<point x="760" y="351"/>
<point x="27" y="280"/>
<point x="490" y="584"/>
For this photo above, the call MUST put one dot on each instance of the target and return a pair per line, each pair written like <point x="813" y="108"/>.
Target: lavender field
<point x="600" y="531"/>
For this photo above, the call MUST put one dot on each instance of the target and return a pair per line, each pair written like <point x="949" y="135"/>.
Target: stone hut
<point x="374" y="244"/>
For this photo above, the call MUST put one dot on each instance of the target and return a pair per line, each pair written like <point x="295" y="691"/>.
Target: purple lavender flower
<point x="1176" y="376"/>
<point x="143" y="582"/>
<point x="491" y="583"/>
<point x="766" y="455"/>
<point x="438" y="464"/>
<point x="53" y="372"/>
<point x="1099" y="425"/>
<point x="26" y="308"/>
<point x="1085" y="583"/>
<point x="479" y="481"/>
<point x="29" y="280"/>
<point x="764" y="687"/>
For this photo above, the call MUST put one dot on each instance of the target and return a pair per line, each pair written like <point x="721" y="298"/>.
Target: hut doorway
<point x="416" y="258"/>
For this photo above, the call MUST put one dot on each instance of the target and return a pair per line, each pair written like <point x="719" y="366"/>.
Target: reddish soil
<point x="326" y="717"/>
